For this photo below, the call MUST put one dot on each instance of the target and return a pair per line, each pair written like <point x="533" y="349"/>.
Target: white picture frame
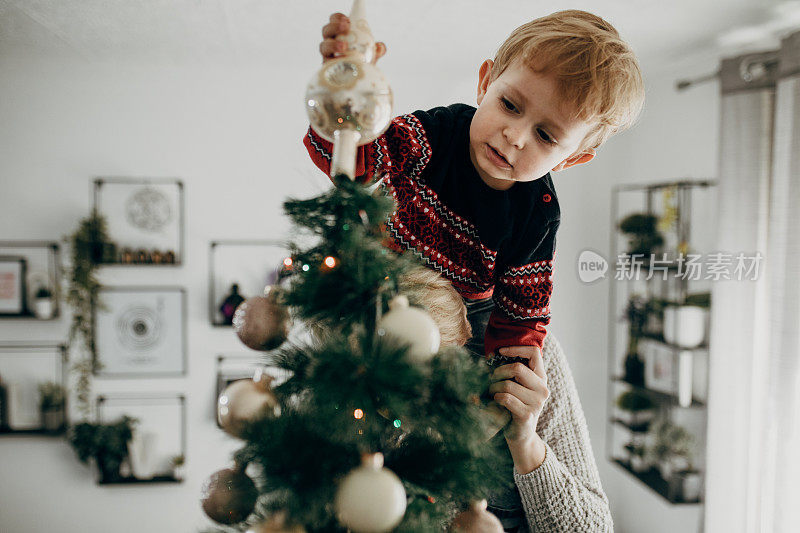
<point x="13" y="285"/>
<point x="143" y="214"/>
<point x="141" y="332"/>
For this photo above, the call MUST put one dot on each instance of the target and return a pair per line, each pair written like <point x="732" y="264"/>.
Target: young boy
<point x="475" y="198"/>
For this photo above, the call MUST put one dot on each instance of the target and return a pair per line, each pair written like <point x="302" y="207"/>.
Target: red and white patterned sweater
<point x="488" y="243"/>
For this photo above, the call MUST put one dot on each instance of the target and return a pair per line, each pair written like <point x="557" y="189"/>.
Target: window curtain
<point x="753" y="451"/>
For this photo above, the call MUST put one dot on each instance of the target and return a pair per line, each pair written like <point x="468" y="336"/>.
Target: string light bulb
<point x="330" y="261"/>
<point x="358" y="414"/>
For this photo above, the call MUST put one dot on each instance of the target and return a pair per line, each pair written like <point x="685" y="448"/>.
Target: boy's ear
<point x="484" y="74"/>
<point x="577" y="159"/>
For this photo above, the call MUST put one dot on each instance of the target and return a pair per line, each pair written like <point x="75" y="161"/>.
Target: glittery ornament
<point x="246" y="400"/>
<point x="370" y="499"/>
<point x="262" y="322"/>
<point x="348" y="101"/>
<point x="477" y="519"/>
<point x="413" y="326"/>
<point x="229" y="496"/>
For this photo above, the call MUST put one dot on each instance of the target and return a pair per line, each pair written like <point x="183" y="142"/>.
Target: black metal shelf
<point x="35" y="431"/>
<point x="130" y="480"/>
<point x="662" y="397"/>
<point x="652" y="479"/>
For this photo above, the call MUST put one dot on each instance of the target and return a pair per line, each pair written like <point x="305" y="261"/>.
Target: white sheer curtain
<point x="753" y="454"/>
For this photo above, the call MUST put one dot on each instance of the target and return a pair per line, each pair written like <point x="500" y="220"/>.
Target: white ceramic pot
<point x="142" y="452"/>
<point x="691" y="485"/>
<point x="43" y="308"/>
<point x="685" y="325"/>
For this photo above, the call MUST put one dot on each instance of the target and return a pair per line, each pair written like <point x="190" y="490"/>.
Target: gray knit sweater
<point x="564" y="493"/>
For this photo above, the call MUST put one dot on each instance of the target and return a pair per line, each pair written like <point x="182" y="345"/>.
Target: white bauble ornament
<point x="413" y="326"/>
<point x="245" y="400"/>
<point x="371" y="499"/>
<point x="477" y="519"/>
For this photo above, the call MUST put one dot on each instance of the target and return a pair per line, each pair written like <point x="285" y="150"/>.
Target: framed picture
<point x="232" y="368"/>
<point x="240" y="269"/>
<point x="13" y="270"/>
<point x="141" y="331"/>
<point x="145" y="218"/>
<point x="660" y="369"/>
<point x="23" y="369"/>
<point x="42" y="288"/>
<point x="159" y="433"/>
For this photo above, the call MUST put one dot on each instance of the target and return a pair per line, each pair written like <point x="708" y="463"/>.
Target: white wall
<point x="233" y="136"/>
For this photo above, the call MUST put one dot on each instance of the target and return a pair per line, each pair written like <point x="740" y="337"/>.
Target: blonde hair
<point x="426" y="288"/>
<point x="597" y="72"/>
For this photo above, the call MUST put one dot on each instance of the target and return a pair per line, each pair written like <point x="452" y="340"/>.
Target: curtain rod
<point x="746" y="70"/>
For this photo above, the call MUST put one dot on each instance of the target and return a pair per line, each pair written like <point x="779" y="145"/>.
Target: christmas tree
<point x="378" y="427"/>
<point x="363" y="386"/>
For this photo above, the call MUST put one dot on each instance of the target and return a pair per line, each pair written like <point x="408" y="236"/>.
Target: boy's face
<point x="521" y="129"/>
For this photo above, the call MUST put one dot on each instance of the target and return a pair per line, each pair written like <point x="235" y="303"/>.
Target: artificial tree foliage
<point x="354" y="390"/>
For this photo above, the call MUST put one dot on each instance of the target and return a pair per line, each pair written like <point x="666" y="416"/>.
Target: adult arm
<point x="564" y="493"/>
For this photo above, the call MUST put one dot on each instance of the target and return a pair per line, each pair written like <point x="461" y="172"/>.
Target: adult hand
<point x="522" y="389"/>
<point x="331" y="47"/>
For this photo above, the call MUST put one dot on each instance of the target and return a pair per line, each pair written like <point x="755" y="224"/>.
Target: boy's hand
<point x="331" y="47"/>
<point x="522" y="390"/>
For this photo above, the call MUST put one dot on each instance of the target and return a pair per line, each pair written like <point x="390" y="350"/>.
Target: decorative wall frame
<point x="250" y="264"/>
<point x="141" y="332"/>
<point x="159" y="434"/>
<point x="145" y="218"/>
<point x="42" y="271"/>
<point x="13" y="286"/>
<point x="23" y="367"/>
<point x="232" y="368"/>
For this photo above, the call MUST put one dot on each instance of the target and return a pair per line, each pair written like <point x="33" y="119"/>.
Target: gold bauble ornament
<point x="262" y="322"/>
<point x="229" y="496"/>
<point x="370" y="499"/>
<point x="244" y="401"/>
<point x="413" y="326"/>
<point x="477" y="519"/>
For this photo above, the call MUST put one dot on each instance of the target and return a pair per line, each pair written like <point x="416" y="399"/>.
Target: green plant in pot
<point x="636" y="408"/>
<point x="639" y="458"/>
<point x="52" y="402"/>
<point x="106" y="444"/>
<point x="90" y="246"/>
<point x="685" y="480"/>
<point x="636" y="313"/>
<point x="643" y="237"/>
<point x="43" y="306"/>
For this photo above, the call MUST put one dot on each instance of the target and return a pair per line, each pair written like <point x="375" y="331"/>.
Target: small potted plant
<point x="106" y="444"/>
<point x="636" y="313"/>
<point x="686" y="323"/>
<point x="178" y="463"/>
<point x="639" y="458"/>
<point x="636" y="408"/>
<point x="52" y="400"/>
<point x="643" y="237"/>
<point x="685" y="481"/>
<point x="43" y="307"/>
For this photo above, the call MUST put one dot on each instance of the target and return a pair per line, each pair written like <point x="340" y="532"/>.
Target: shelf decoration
<point x="157" y="438"/>
<point x="30" y="273"/>
<point x="32" y="388"/>
<point x="241" y="269"/>
<point x="145" y="219"/>
<point x="141" y="332"/>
